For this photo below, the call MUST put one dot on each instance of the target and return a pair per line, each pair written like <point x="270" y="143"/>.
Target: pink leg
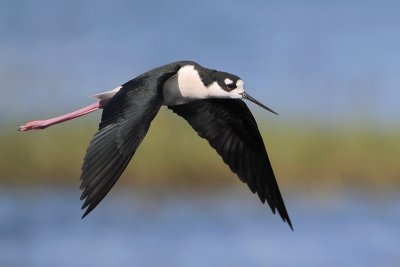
<point x="42" y="124"/>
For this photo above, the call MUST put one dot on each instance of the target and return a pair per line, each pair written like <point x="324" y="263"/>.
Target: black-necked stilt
<point x="209" y="100"/>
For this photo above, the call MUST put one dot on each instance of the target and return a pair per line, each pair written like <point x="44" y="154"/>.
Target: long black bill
<point x="248" y="97"/>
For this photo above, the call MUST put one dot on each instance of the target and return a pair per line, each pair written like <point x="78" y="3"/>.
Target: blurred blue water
<point x="43" y="228"/>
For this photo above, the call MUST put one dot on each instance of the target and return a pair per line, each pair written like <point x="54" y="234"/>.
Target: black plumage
<point x="125" y="121"/>
<point x="230" y="128"/>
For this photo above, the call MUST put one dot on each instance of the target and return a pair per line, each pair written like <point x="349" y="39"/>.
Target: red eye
<point x="231" y="86"/>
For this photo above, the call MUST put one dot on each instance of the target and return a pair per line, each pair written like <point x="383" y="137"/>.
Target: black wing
<point x="124" y="123"/>
<point x="231" y="130"/>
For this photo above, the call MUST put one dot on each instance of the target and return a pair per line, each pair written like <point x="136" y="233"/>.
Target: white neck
<point x="184" y="87"/>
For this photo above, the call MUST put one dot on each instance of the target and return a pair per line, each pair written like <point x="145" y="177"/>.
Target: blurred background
<point x="330" y="69"/>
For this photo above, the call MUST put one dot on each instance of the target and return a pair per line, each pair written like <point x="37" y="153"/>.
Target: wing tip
<point x="284" y="215"/>
<point x="281" y="211"/>
<point x="86" y="205"/>
<point x="87" y="211"/>
<point x="287" y="220"/>
<point x="84" y="215"/>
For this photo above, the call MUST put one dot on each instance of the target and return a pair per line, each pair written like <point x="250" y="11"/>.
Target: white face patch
<point x="228" y="81"/>
<point x="237" y="92"/>
<point x="240" y="84"/>
<point x="215" y="91"/>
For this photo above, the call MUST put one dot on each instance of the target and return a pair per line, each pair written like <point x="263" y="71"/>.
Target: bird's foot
<point x="33" y="125"/>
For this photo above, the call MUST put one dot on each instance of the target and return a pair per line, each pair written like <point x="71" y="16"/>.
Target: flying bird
<point x="209" y="100"/>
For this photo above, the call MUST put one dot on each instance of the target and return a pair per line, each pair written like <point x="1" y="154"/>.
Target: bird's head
<point x="227" y="85"/>
<point x="196" y="82"/>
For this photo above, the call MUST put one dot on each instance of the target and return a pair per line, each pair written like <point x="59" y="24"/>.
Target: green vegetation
<point x="303" y="156"/>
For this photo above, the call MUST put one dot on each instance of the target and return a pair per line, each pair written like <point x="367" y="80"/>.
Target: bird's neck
<point x="184" y="87"/>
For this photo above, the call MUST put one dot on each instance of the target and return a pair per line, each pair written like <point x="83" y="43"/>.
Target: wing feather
<point x="125" y="122"/>
<point x="232" y="131"/>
